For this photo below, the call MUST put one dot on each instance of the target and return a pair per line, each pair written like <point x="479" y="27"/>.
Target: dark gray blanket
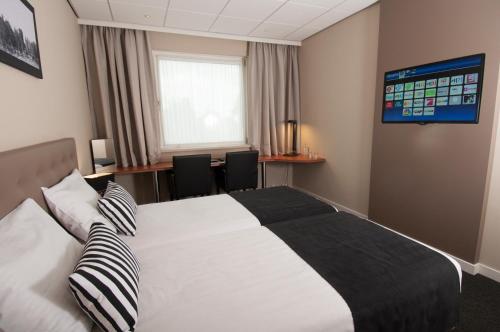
<point x="276" y="204"/>
<point x="389" y="282"/>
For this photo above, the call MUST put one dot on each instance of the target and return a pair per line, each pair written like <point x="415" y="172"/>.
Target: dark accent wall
<point x="429" y="181"/>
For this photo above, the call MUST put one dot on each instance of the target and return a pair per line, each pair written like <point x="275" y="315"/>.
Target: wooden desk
<point x="299" y="159"/>
<point x="162" y="166"/>
<point x="168" y="165"/>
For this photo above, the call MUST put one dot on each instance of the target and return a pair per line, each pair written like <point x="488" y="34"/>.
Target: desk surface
<point x="168" y="165"/>
<point x="299" y="159"/>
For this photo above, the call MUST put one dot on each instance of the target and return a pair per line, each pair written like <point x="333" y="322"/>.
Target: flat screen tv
<point x="440" y="92"/>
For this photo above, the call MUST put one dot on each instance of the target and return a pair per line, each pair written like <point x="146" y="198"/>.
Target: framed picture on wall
<point x="18" y="37"/>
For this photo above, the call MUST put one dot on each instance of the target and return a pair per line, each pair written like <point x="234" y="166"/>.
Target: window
<point x="202" y="101"/>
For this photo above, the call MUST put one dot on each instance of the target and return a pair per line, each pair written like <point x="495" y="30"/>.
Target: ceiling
<point x="289" y="21"/>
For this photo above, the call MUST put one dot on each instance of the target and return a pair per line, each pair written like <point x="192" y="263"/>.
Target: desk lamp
<point x="291" y="132"/>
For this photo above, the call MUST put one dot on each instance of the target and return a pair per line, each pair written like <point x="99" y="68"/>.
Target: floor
<point x="480" y="307"/>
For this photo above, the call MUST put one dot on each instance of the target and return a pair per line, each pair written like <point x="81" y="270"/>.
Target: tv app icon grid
<point x="427" y="97"/>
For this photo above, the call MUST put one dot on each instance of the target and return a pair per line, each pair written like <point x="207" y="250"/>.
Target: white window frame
<point x="158" y="55"/>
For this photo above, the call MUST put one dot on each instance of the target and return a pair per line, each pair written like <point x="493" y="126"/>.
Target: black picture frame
<point x="24" y="56"/>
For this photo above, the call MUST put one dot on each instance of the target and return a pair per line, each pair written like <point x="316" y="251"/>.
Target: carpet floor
<point x="480" y="305"/>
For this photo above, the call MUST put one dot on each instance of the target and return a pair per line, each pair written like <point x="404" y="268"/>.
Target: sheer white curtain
<point x="202" y="101"/>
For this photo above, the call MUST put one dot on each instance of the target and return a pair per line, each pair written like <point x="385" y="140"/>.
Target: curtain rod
<point x="187" y="32"/>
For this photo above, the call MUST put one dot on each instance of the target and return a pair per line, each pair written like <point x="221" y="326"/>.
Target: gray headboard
<point x="23" y="171"/>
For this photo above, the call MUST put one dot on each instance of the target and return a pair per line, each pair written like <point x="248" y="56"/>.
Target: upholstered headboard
<point x="23" y="171"/>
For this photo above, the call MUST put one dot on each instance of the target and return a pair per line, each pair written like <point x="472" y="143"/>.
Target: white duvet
<point x="248" y="280"/>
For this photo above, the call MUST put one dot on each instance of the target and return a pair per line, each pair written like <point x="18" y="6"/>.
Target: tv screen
<point x="446" y="91"/>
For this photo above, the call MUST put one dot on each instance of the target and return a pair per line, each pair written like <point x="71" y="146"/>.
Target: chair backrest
<point x="192" y="175"/>
<point x="241" y="170"/>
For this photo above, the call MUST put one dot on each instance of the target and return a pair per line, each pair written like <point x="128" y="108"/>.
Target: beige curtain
<point x="122" y="94"/>
<point x="272" y="94"/>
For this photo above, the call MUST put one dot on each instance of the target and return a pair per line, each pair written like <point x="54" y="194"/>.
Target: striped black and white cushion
<point x="105" y="281"/>
<point x="119" y="207"/>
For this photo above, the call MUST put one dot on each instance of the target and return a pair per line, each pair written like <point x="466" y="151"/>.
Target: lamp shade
<point x="291" y="135"/>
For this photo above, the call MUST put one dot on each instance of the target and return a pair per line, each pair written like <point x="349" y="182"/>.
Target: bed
<point x="199" y="217"/>
<point x="242" y="262"/>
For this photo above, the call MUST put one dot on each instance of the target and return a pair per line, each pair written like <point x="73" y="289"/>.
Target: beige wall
<point x="429" y="181"/>
<point x="34" y="110"/>
<point x="198" y="45"/>
<point x="337" y="89"/>
<point x="490" y="249"/>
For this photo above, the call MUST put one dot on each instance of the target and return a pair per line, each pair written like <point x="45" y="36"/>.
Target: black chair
<point x="192" y="176"/>
<point x="240" y="171"/>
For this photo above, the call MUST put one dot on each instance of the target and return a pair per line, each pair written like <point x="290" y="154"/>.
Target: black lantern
<point x="291" y="134"/>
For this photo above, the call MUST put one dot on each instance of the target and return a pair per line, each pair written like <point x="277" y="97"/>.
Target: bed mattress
<point x="203" y="216"/>
<point x="271" y="205"/>
<point x="189" y="219"/>
<point x="248" y="280"/>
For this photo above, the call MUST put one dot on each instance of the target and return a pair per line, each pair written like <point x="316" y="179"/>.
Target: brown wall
<point x="429" y="181"/>
<point x="34" y="110"/>
<point x="338" y="68"/>
<point x="490" y="246"/>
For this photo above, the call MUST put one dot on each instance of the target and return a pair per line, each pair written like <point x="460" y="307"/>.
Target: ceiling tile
<point x="180" y="19"/>
<point x="302" y="33"/>
<point x="199" y="6"/>
<point x="137" y="14"/>
<point x="320" y="3"/>
<point x="355" y="5"/>
<point x="296" y="14"/>
<point x="329" y="18"/>
<point x="92" y="9"/>
<point x="149" y="3"/>
<point x="273" y="30"/>
<point x="233" y="25"/>
<point x="255" y="9"/>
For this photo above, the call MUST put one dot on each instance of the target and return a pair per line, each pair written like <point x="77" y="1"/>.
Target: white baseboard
<point x="478" y="268"/>
<point x="470" y="268"/>
<point x="488" y="272"/>
<point x="466" y="266"/>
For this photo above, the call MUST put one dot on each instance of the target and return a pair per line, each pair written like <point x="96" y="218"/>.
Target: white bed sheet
<point x="248" y="280"/>
<point x="186" y="219"/>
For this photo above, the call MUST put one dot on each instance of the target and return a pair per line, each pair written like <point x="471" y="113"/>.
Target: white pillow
<point x="36" y="258"/>
<point x="74" y="203"/>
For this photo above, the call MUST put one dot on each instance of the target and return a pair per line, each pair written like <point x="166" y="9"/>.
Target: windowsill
<point x="202" y="148"/>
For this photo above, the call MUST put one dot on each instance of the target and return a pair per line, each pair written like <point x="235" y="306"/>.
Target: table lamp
<point x="291" y="132"/>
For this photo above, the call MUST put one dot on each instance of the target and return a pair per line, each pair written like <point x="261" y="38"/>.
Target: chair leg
<point x="171" y="186"/>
